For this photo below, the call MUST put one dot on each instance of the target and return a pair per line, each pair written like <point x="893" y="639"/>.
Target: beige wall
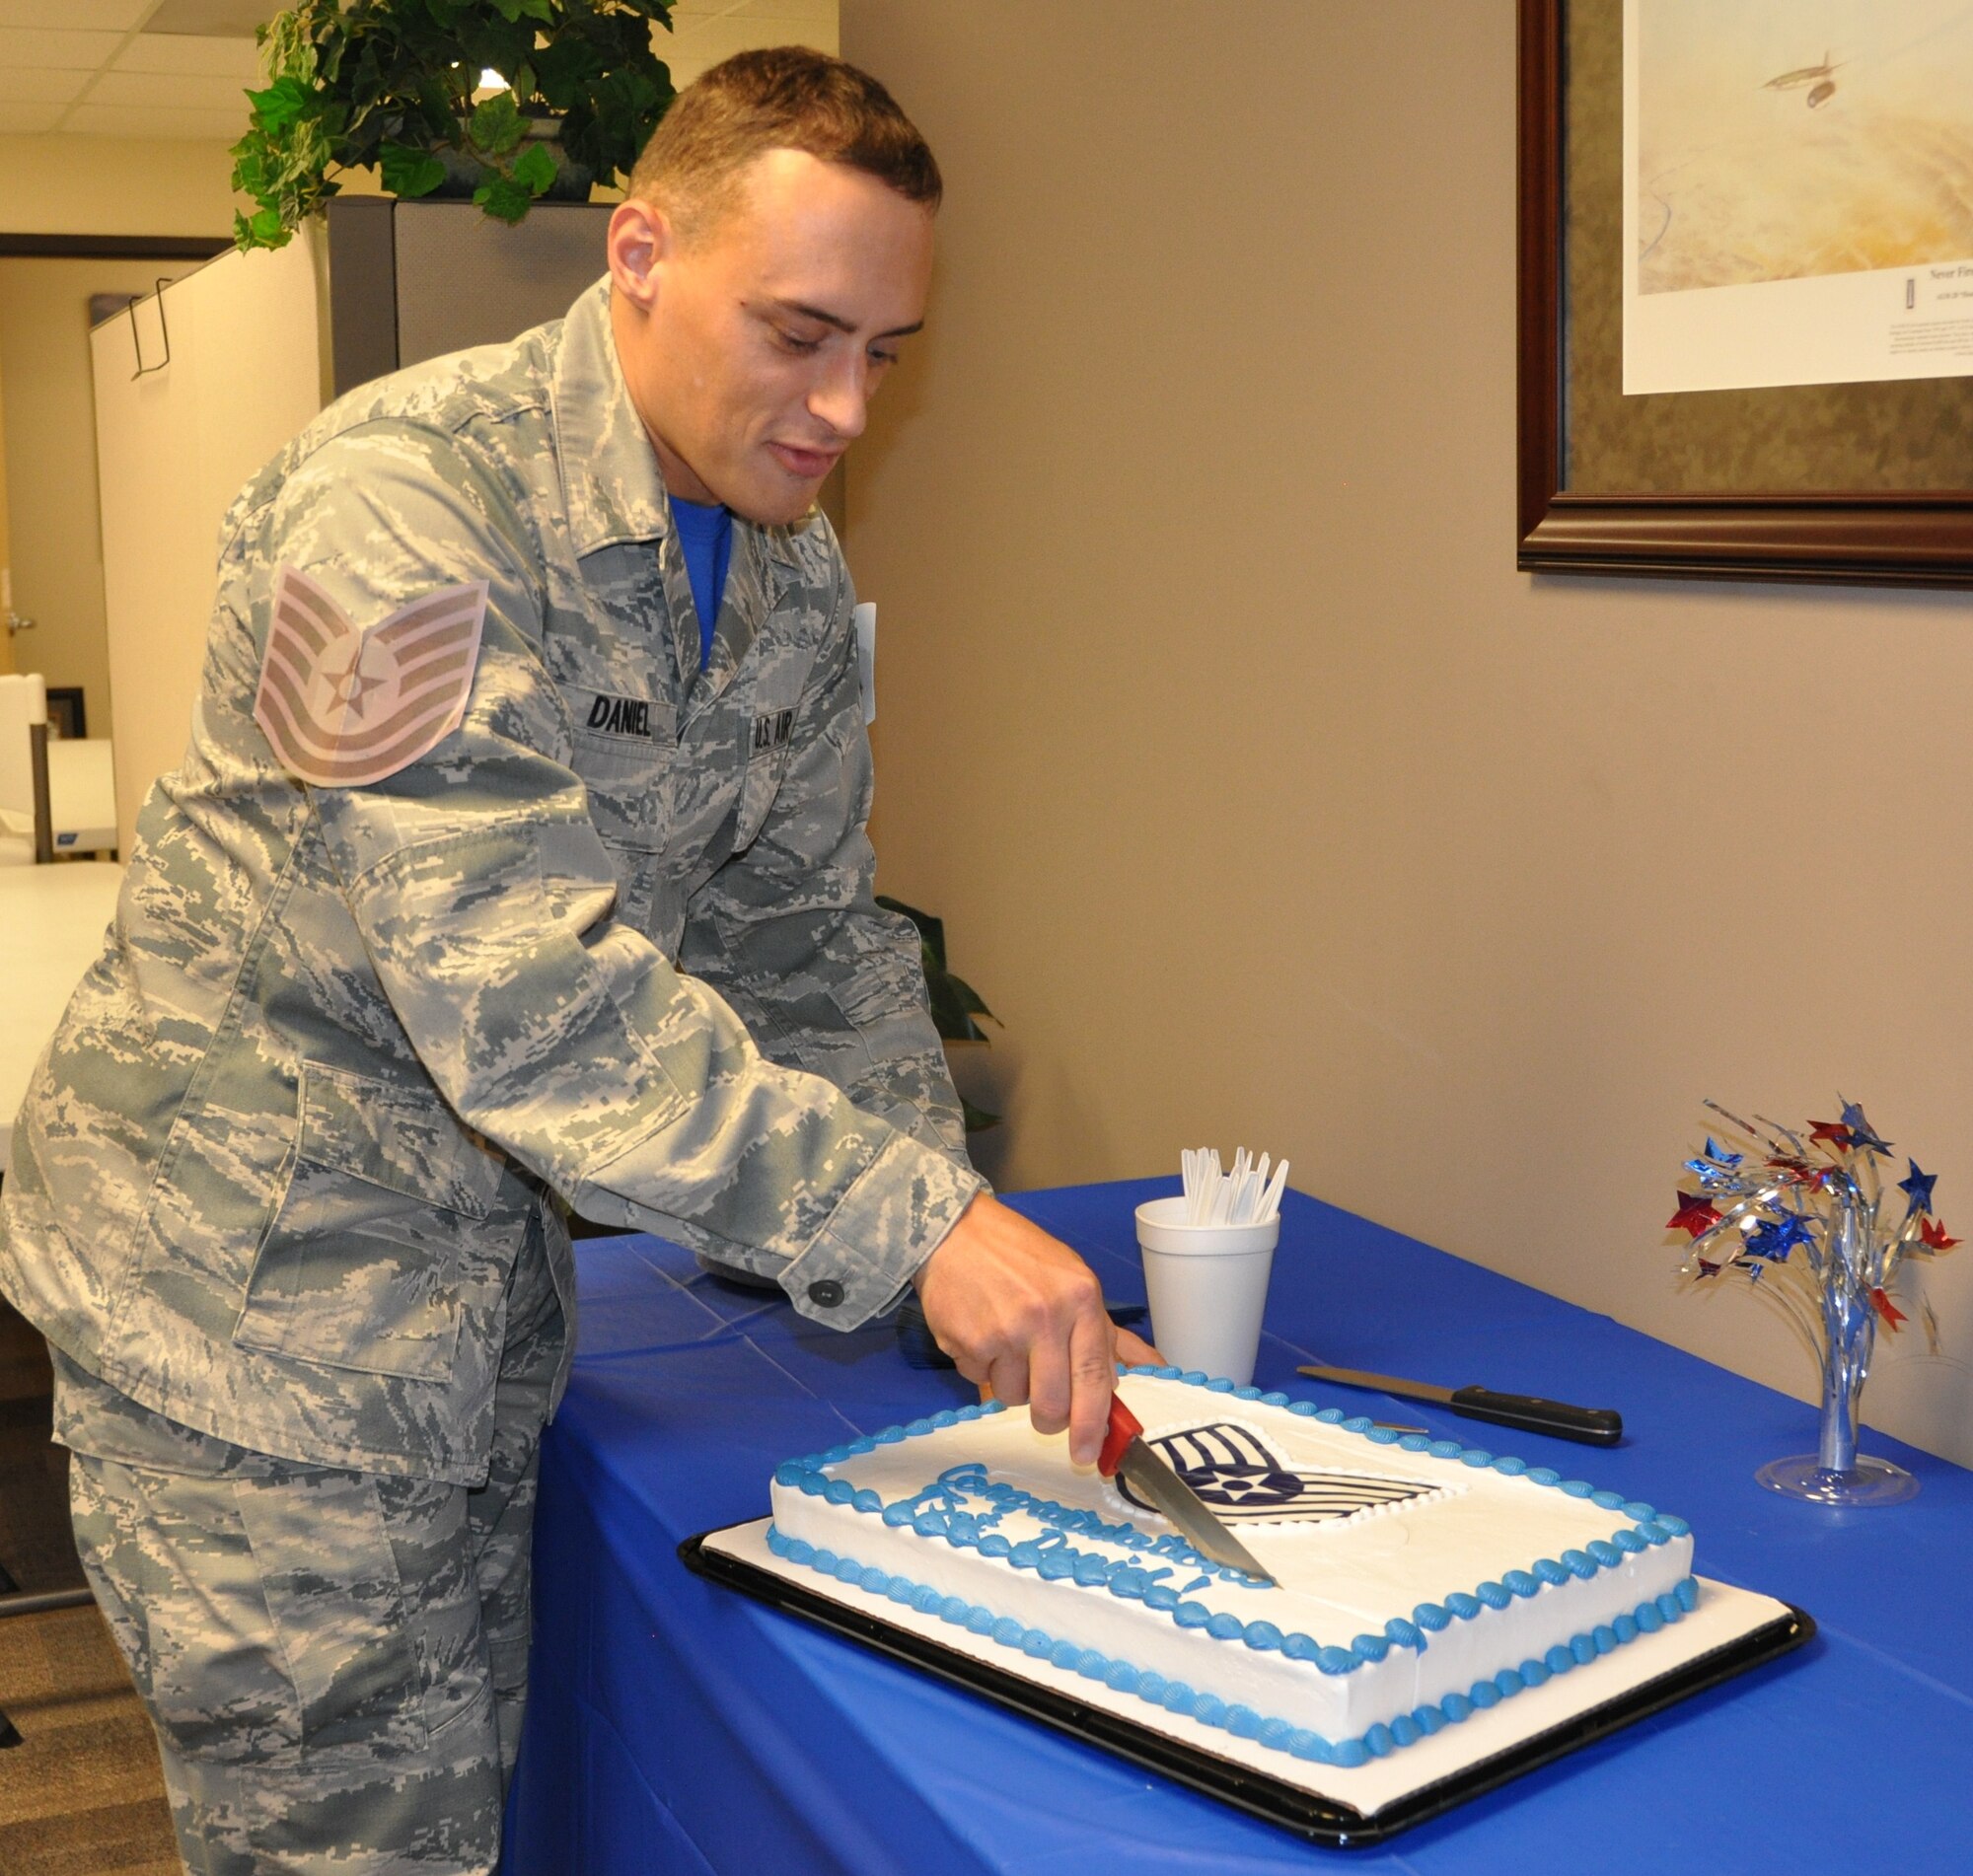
<point x="107" y="186"/>
<point x="1263" y="797"/>
<point x="56" y="537"/>
<point x="76" y="185"/>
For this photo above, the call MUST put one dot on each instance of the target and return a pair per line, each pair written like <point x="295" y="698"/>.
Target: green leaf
<point x="497" y="125"/>
<point x="541" y="10"/>
<point x="263" y="229"/>
<point x="503" y="198"/>
<point x="408" y="172"/>
<point x="284" y="102"/>
<point x="536" y="167"/>
<point x="524" y="80"/>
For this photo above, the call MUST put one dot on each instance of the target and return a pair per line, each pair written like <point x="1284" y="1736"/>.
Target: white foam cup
<point x="1207" y="1286"/>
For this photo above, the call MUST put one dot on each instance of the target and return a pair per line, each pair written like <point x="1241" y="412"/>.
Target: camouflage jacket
<point x="611" y="940"/>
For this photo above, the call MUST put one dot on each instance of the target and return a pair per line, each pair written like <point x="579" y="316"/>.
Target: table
<point x="679" y="1727"/>
<point x="51" y="924"/>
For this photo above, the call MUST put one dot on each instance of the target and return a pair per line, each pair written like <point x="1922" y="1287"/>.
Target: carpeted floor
<point x="81" y="1794"/>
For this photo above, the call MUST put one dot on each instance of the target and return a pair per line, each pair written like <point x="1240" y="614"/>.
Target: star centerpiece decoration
<point x="1817" y="1204"/>
<point x="1814" y="1220"/>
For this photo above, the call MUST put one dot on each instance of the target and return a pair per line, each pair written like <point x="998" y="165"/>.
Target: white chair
<point x="25" y="824"/>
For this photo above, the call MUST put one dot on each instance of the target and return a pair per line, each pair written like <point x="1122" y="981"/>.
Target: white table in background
<point x="51" y="924"/>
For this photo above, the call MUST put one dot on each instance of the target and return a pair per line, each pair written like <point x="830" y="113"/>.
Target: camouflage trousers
<point x="336" y="1662"/>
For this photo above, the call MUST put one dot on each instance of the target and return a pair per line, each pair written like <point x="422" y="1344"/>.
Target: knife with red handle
<point x="1125" y="1455"/>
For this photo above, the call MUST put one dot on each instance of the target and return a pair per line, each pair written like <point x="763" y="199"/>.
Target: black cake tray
<point x="1290" y="1806"/>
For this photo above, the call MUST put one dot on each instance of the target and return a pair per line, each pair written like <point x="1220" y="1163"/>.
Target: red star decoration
<point x="1694" y="1214"/>
<point x="1933" y="1234"/>
<point x="1791" y="1168"/>
<point x="1834" y="1131"/>
<point x="1888" y="1309"/>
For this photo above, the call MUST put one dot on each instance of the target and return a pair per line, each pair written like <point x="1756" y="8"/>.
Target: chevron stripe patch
<point x="1239" y="1477"/>
<point x="345" y="708"/>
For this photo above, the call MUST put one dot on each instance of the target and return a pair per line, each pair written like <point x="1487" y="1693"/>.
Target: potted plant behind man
<point x="505" y="101"/>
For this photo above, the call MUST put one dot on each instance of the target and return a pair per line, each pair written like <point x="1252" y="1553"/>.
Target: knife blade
<point x="1124" y="1453"/>
<point x="1595" y="1426"/>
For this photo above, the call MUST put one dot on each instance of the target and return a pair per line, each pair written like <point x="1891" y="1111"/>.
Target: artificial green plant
<point x="395" y="83"/>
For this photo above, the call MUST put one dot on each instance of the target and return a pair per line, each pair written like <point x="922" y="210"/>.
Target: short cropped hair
<point x="777" y="98"/>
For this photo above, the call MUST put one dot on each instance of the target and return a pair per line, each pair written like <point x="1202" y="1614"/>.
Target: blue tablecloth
<point x="678" y="1727"/>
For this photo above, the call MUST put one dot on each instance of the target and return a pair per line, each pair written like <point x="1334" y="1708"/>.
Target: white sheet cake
<point x="1418" y="1580"/>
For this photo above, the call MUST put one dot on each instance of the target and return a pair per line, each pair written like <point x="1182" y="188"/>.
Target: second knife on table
<point x="1596" y="1426"/>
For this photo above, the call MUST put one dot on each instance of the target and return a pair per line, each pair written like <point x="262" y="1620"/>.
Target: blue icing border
<point x="1128" y="1580"/>
<point x="1176" y="1697"/>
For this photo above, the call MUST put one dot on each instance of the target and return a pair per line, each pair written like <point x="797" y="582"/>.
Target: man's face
<point x="751" y="352"/>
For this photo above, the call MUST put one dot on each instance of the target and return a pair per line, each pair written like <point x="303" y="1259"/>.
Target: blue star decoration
<point x="1862" y="1135"/>
<point x="1775" y="1238"/>
<point x="1918" y="1188"/>
<point x="1713" y="1166"/>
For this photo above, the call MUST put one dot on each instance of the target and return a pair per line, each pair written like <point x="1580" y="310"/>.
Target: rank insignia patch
<point x="345" y="708"/>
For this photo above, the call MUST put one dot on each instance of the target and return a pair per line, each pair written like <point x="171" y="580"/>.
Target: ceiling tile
<point x="29" y="120"/>
<point x="175" y="52"/>
<point x="177" y="91"/>
<point x="102" y="16"/>
<point x="52" y="46"/>
<point x="40" y="87"/>
<point x="237" y="18"/>
<point x="149" y="121"/>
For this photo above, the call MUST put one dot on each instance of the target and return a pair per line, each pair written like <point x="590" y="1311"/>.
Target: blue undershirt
<point x="705" y="534"/>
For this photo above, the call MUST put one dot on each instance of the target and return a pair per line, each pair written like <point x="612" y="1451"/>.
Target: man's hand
<point x="1022" y="1316"/>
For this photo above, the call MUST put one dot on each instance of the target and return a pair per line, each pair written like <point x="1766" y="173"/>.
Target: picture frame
<point x="1890" y="518"/>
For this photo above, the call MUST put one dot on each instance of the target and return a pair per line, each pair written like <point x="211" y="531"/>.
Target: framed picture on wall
<point x="1746" y="335"/>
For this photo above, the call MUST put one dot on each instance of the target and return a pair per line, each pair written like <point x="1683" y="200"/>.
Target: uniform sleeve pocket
<point x="363" y="1264"/>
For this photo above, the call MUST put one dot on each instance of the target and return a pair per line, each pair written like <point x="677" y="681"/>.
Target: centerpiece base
<point x="1868" y="1481"/>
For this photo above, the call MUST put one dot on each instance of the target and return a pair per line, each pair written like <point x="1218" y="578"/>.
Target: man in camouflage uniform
<point x="475" y="897"/>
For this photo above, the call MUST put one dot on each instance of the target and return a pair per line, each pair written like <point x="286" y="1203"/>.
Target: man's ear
<point x="639" y="240"/>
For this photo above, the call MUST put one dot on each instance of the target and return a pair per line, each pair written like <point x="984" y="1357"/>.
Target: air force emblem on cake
<point x="1239" y="1477"/>
<point x="345" y="706"/>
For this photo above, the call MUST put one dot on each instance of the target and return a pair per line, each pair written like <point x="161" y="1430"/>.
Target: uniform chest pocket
<point x="366" y="1263"/>
<point x="622" y="753"/>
